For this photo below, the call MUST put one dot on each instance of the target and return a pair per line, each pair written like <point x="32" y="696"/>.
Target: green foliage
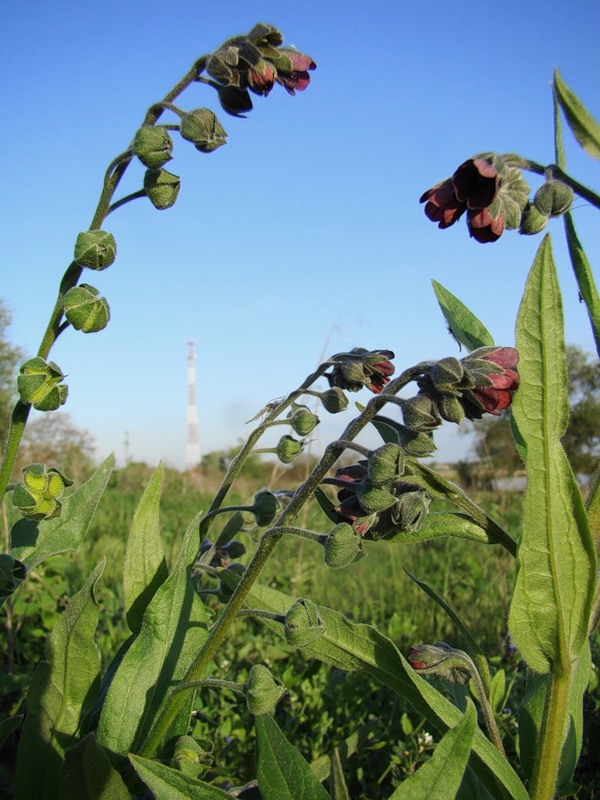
<point x="9" y="359"/>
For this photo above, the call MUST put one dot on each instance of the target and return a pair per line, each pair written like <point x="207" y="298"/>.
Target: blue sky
<point x="303" y="236"/>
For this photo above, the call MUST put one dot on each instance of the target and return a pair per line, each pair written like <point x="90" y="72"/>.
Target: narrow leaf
<point x="8" y="726"/>
<point x="173" y="628"/>
<point x="167" y="783"/>
<point x="145" y="567"/>
<point x="585" y="278"/>
<point x="556" y="575"/>
<point x="463" y="324"/>
<point x="61" y="693"/>
<point x="442" y="524"/>
<point x="322" y="767"/>
<point x="441" y="776"/>
<point x="498" y="690"/>
<point x="337" y="784"/>
<point x="583" y="125"/>
<point x="89" y="775"/>
<point x="283" y="774"/>
<point x="33" y="542"/>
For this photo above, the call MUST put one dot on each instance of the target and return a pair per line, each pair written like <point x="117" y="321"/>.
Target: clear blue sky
<point x="303" y="236"/>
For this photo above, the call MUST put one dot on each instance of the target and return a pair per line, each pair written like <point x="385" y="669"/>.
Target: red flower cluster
<point x="498" y="396"/>
<point x="473" y="188"/>
<point x="360" y="367"/>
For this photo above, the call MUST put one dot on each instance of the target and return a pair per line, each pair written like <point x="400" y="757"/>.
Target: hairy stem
<point x="550" y="741"/>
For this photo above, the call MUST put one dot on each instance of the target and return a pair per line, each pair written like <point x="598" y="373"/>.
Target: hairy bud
<point x="153" y="146"/>
<point x="38" y="494"/>
<point x="303" y="625"/>
<point x="39" y="383"/>
<point x="162" y="188"/>
<point x="95" y="249"/>
<point x="342" y="546"/>
<point x="85" y="310"/>
<point x="203" y="129"/>
<point x="262" y="691"/>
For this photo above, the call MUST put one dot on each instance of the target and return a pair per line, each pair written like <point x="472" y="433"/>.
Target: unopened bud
<point x="532" y="221"/>
<point x="446" y="373"/>
<point x="450" y="408"/>
<point x="234" y="101"/>
<point x="385" y="464"/>
<point x="410" y="510"/>
<point x="262" y="691"/>
<point x="162" y="188"/>
<point x="95" y="249"/>
<point x="38" y="494"/>
<point x="288" y="449"/>
<point x="342" y="546"/>
<point x="302" y="420"/>
<point x="553" y="198"/>
<point x="420" y="413"/>
<point x="303" y="625"/>
<point x="334" y="400"/>
<point x="85" y="310"/>
<point x="190" y="757"/>
<point x="152" y="145"/>
<point x="265" y="507"/>
<point x="441" y="660"/>
<point x="203" y="129"/>
<point x="374" y="499"/>
<point x="39" y="383"/>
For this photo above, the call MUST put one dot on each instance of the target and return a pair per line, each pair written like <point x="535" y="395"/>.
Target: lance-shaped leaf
<point x="441" y="776"/>
<point x="283" y="773"/>
<point x="556" y="574"/>
<point x="351" y="646"/>
<point x="585" y="277"/>
<point x="167" y="783"/>
<point x="173" y="628"/>
<point x="61" y="693"/>
<point x="89" y="775"/>
<point x="463" y="324"/>
<point x="145" y="567"/>
<point x="33" y="542"/>
<point x="444" y="523"/>
<point x="337" y="783"/>
<point x="583" y="125"/>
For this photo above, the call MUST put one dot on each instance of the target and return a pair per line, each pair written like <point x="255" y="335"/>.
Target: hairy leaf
<point x="583" y="125"/>
<point x="463" y="324"/>
<point x="145" y="567"/>
<point x="167" y="783"/>
<point x="33" y="542"/>
<point x="283" y="774"/>
<point x="444" y="523"/>
<point x="441" y="776"/>
<point x="585" y="277"/>
<point x="337" y="783"/>
<point x="89" y="775"/>
<point x="173" y="628"/>
<point x="61" y="693"/>
<point x="556" y="561"/>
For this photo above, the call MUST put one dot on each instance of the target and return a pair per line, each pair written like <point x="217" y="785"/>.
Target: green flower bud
<point x="420" y="413"/>
<point x="203" y="129"/>
<point x="225" y="591"/>
<point x="450" y="408"/>
<point x="302" y="420"/>
<point x="419" y="445"/>
<point x="446" y="373"/>
<point x="410" y="510"/>
<point x="440" y="659"/>
<point x="38" y="383"/>
<point x="334" y="400"/>
<point x="533" y="220"/>
<point x="288" y="449"/>
<point x="95" y="249"/>
<point x="342" y="546"/>
<point x="262" y="691"/>
<point x="385" y="464"/>
<point x="266" y="505"/>
<point x="162" y="188"/>
<point x="153" y="146"/>
<point x="553" y="198"/>
<point x="85" y="310"/>
<point x="303" y="625"/>
<point x="38" y="494"/>
<point x="190" y="757"/>
<point x="374" y="498"/>
<point x="12" y="572"/>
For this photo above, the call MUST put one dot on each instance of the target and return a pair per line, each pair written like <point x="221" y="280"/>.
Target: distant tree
<point x="10" y="356"/>
<point x="55" y="440"/>
<point x="494" y="442"/>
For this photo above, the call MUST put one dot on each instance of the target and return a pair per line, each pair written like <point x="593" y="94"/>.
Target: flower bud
<point x="203" y="129"/>
<point x="420" y="413"/>
<point x="302" y="420"/>
<point x="533" y="220"/>
<point x="265" y="507"/>
<point x="95" y="249"/>
<point x="419" y="445"/>
<point x="374" y="498"/>
<point x="303" y="626"/>
<point x="342" y="546"/>
<point x="410" y="510"/>
<point x="37" y="495"/>
<point x="234" y="101"/>
<point x="38" y="383"/>
<point x="153" y="146"/>
<point x="225" y="591"/>
<point x="190" y="757"/>
<point x="553" y="198"/>
<point x="85" y="310"/>
<point x="334" y="400"/>
<point x="288" y="449"/>
<point x="234" y="549"/>
<point x="441" y="660"/>
<point x="385" y="464"/>
<point x="262" y="691"/>
<point x="12" y="572"/>
<point x="450" y="408"/>
<point x="446" y="373"/>
<point x="162" y="188"/>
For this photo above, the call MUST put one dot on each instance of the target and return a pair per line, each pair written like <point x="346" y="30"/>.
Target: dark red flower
<point x="483" y="227"/>
<point x="261" y="78"/>
<point x="360" y="367"/>
<point x="296" y="79"/>
<point x="442" y="205"/>
<point x="476" y="183"/>
<point x="496" y="393"/>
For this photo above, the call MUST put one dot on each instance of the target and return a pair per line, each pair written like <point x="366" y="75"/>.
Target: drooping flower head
<point x="359" y="367"/>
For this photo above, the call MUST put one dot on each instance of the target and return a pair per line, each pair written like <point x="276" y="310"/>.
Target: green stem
<point x="127" y="199"/>
<point x="488" y="713"/>
<point x="556" y="172"/>
<point x="550" y="740"/>
<point x="17" y="425"/>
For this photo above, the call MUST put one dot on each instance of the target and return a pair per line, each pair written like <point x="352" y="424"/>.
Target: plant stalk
<point x="550" y="741"/>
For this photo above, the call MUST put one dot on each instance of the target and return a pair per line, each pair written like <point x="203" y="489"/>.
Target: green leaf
<point x="337" y="784"/>
<point x="352" y="646"/>
<point x="167" y="783"/>
<point x="583" y="125"/>
<point x="173" y="628"/>
<point x="33" y="542"/>
<point x="585" y="277"/>
<point x="145" y="567"/>
<point x="498" y="690"/>
<point x="89" y="775"/>
<point x="463" y="324"/>
<point x="322" y="766"/>
<point x="283" y="774"/>
<point x="441" y="776"/>
<point x="61" y="693"/>
<point x="8" y="726"/>
<point x="444" y="523"/>
<point x="556" y="574"/>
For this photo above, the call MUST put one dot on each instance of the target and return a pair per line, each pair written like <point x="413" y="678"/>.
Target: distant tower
<point x="192" y="444"/>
